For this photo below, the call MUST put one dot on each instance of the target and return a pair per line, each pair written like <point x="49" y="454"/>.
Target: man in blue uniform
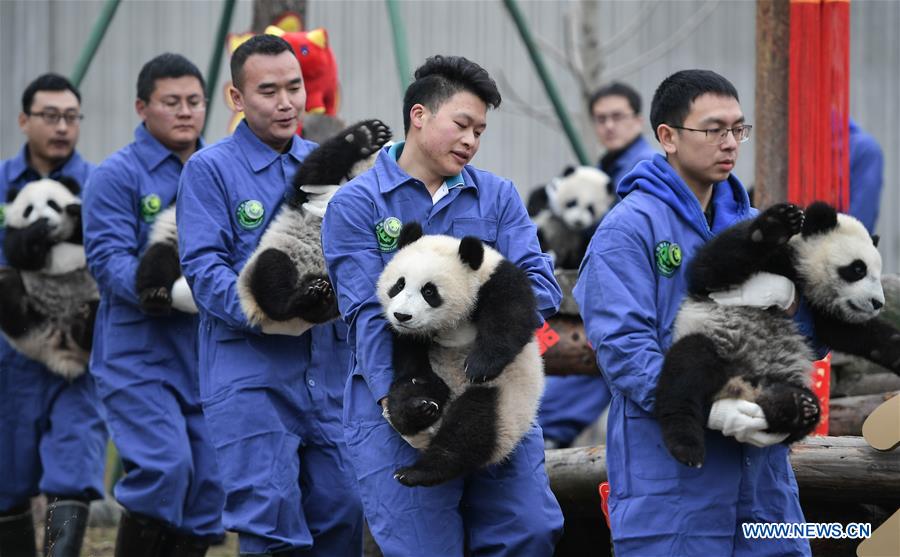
<point x="272" y="401"/>
<point x="866" y="176"/>
<point x="505" y="509"/>
<point x="146" y="366"/>
<point x="573" y="402"/>
<point x="659" y="507"/>
<point x="52" y="439"/>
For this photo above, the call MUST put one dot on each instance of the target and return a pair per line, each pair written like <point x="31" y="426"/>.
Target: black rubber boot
<point x="140" y="536"/>
<point x="17" y="533"/>
<point x="66" y="523"/>
<point x="189" y="546"/>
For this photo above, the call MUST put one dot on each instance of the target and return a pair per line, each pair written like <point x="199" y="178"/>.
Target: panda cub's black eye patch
<point x="28" y="211"/>
<point x="854" y="271"/>
<point x="397" y="288"/>
<point x="571" y="204"/>
<point x="430" y="293"/>
<point x="54" y="205"/>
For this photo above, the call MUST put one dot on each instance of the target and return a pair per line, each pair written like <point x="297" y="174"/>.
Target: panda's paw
<point x="415" y="476"/>
<point x="481" y="367"/>
<point x="687" y="448"/>
<point x="315" y="300"/>
<point x="156" y="301"/>
<point x="777" y="224"/>
<point x="807" y="409"/>
<point x="368" y="136"/>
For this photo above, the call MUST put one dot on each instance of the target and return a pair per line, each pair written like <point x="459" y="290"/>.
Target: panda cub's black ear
<point x="471" y="251"/>
<point x="819" y="218"/>
<point x="71" y="184"/>
<point x="410" y="232"/>
<point x="568" y="170"/>
<point x="11" y="194"/>
<point x="875" y="239"/>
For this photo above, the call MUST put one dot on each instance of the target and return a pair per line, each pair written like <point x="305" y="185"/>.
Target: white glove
<point x="292" y="327"/>
<point x="762" y="290"/>
<point x="318" y="198"/>
<point x="182" y="299"/>
<point x="743" y="420"/>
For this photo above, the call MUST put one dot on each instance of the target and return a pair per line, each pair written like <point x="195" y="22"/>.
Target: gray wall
<point x="644" y="40"/>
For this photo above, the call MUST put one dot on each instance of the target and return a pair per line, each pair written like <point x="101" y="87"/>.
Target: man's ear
<point x="417" y="115"/>
<point x="237" y="98"/>
<point x="666" y="137"/>
<point x="23" y="119"/>
<point x="140" y="107"/>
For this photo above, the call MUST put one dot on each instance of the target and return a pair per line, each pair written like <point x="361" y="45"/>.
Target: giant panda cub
<point x="727" y="351"/>
<point x="468" y="376"/>
<point x="48" y="299"/>
<point x="158" y="281"/>
<point x="567" y="210"/>
<point x="284" y="285"/>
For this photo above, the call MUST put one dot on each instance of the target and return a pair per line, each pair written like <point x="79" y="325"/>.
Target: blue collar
<point x="18" y="165"/>
<point x="151" y="152"/>
<point x="391" y="176"/>
<point x="258" y="154"/>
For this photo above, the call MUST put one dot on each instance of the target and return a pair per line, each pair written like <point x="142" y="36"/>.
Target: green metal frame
<point x="94" y="40"/>
<point x="212" y="74"/>
<point x="549" y="86"/>
<point x="401" y="51"/>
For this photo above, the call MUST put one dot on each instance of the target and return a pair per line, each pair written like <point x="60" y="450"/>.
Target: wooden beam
<point x="770" y="122"/>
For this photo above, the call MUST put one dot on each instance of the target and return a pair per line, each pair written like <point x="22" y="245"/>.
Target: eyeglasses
<point x="52" y="117"/>
<point x="173" y="104"/>
<point x="716" y="136"/>
<point x="614" y="118"/>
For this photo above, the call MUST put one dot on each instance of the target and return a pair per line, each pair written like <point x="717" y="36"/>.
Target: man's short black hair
<point x="164" y="66"/>
<point x="672" y="100"/>
<point x="616" y="89"/>
<point x="268" y="45"/>
<point x="46" y="82"/>
<point x="441" y="77"/>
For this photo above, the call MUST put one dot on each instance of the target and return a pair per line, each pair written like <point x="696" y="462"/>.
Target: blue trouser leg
<point x="570" y="404"/>
<point x="503" y="510"/>
<point x="168" y="475"/>
<point x="266" y="440"/>
<point x="52" y="438"/>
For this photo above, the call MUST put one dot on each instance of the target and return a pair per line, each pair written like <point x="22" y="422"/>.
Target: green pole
<point x="212" y="74"/>
<point x="90" y="49"/>
<point x="401" y="52"/>
<point x="513" y="8"/>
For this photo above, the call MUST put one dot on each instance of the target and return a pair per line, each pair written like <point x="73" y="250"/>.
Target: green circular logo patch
<point x="2" y="215"/>
<point x="250" y="214"/>
<point x="668" y="258"/>
<point x="151" y="205"/>
<point x="387" y="232"/>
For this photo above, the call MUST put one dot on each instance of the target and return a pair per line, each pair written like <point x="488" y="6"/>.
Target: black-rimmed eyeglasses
<point x="52" y="117"/>
<point x="716" y="136"/>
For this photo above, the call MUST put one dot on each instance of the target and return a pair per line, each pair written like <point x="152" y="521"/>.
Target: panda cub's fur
<point x="468" y="375"/>
<point x="48" y="299"/>
<point x="285" y="279"/>
<point x="724" y="351"/>
<point x="567" y="210"/>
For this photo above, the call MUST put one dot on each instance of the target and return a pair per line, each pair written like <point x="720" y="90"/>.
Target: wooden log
<point x="827" y="469"/>
<point x="847" y="414"/>
<point x="572" y="354"/>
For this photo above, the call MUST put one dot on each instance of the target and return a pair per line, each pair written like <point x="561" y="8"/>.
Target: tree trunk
<point x="266" y="12"/>
<point x="847" y="414"/>
<point x="772" y="45"/>
<point x="572" y="355"/>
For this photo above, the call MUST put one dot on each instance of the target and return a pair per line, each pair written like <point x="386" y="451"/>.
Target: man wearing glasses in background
<point x="146" y="365"/>
<point x="573" y="402"/>
<point x="631" y="284"/>
<point x="52" y="439"/>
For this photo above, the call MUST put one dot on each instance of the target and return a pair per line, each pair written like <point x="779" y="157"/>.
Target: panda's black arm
<point x="875" y="340"/>
<point x="27" y="248"/>
<point x="15" y="316"/>
<point x="505" y="318"/>
<point x="745" y="249"/>
<point x="332" y="161"/>
<point x="417" y="396"/>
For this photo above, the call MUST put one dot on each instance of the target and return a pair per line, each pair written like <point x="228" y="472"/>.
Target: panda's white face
<point x="843" y="270"/>
<point x="580" y="197"/>
<point x="426" y="288"/>
<point x="44" y="199"/>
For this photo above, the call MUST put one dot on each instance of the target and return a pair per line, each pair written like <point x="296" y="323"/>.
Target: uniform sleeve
<point x="205" y="244"/>
<point x="866" y="179"/>
<point x="616" y="295"/>
<point x="354" y="265"/>
<point x="112" y="232"/>
<point x="517" y="241"/>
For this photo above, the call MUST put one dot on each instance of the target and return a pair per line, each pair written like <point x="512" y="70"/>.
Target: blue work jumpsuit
<point x="504" y="509"/>
<point x="272" y="402"/>
<point x="866" y="176"/>
<point x="146" y="367"/>
<point x="659" y="507"/>
<point x="572" y="403"/>
<point x="52" y="438"/>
